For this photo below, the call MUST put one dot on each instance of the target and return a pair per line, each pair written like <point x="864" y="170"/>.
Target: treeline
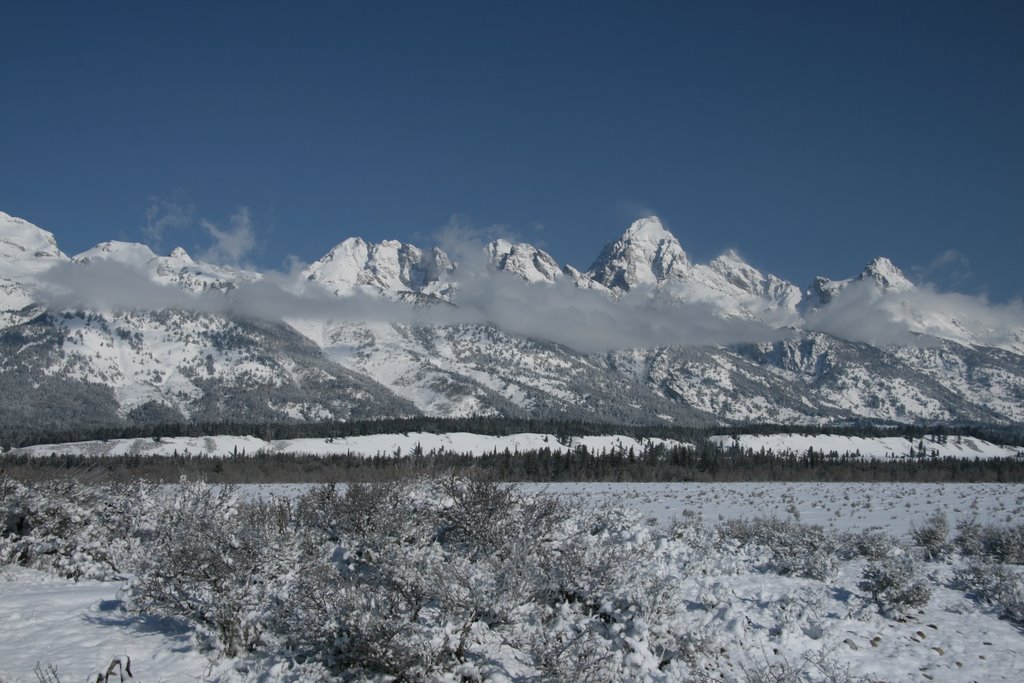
<point x="1007" y="435"/>
<point x="655" y="464"/>
<point x="1012" y="435"/>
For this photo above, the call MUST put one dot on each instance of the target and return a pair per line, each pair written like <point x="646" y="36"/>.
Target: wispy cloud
<point x="950" y="267"/>
<point x="231" y="245"/>
<point x="164" y="214"/>
<point x="464" y="242"/>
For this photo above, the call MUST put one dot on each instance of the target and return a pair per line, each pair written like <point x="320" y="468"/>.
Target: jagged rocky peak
<point x="128" y="253"/>
<point x="179" y="254"/>
<point x="880" y="272"/>
<point x="821" y="292"/>
<point x="525" y="260"/>
<point x="746" y="277"/>
<point x="389" y="266"/>
<point x="20" y="240"/>
<point x="647" y="254"/>
<point x="885" y="273"/>
<point x="733" y="268"/>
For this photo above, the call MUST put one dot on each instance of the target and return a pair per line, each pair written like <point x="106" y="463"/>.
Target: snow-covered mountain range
<point x="119" y="333"/>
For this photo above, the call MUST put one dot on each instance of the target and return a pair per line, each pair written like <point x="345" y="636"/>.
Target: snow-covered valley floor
<point x="756" y="620"/>
<point x="894" y="508"/>
<point x="881" y="448"/>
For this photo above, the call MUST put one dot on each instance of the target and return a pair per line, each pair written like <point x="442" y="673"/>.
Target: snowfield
<point x="883" y="448"/>
<point x="78" y="627"/>
<point x="739" y="617"/>
<point x="369" y="446"/>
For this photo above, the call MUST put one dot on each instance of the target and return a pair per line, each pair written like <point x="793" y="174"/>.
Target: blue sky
<point x="810" y="136"/>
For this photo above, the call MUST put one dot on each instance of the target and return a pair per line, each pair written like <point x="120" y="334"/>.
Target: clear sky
<point x="810" y="136"/>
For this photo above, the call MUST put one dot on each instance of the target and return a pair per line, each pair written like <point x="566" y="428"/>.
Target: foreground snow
<point x="762" y="620"/>
<point x="77" y="627"/>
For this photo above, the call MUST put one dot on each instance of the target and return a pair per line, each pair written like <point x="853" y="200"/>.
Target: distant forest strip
<point x="656" y="464"/>
<point x="11" y="437"/>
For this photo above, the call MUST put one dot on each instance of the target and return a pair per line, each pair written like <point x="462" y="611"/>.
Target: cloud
<point x="916" y="317"/>
<point x="951" y="267"/>
<point x="465" y="242"/>
<point x="858" y="313"/>
<point x="110" y="285"/>
<point x="591" y="322"/>
<point x="164" y="214"/>
<point x="585" y="320"/>
<point x="104" y="284"/>
<point x="233" y="244"/>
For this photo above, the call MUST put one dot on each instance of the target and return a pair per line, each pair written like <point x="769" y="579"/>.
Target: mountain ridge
<point x="923" y="363"/>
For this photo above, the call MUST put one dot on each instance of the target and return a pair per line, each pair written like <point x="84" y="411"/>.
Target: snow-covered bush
<point x="896" y="584"/>
<point x="1001" y="543"/>
<point x="73" y="529"/>
<point x="1006" y="543"/>
<point x="933" y="536"/>
<point x="436" y="576"/>
<point x="409" y="573"/>
<point x="215" y="562"/>
<point x="617" y="583"/>
<point x="797" y="549"/>
<point x="995" y="584"/>
<point x="969" y="539"/>
<point x="871" y="544"/>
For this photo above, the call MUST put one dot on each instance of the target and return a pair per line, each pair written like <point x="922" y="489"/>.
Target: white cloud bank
<point x="582" y="319"/>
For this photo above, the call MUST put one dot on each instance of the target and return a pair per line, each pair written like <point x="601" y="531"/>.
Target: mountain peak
<point x="647" y="254"/>
<point x="20" y="240"/>
<point x="730" y="259"/>
<point x="128" y="253"/>
<point x="389" y="266"/>
<point x="737" y="271"/>
<point x="886" y="274"/>
<point x="648" y="229"/>
<point x="180" y="254"/>
<point x="522" y="259"/>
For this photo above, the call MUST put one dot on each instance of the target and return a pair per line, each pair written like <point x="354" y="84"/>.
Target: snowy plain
<point x="882" y="448"/>
<point x="367" y="446"/>
<point x="77" y="626"/>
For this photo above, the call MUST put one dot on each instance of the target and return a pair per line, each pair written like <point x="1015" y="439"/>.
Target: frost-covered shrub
<point x="1001" y="543"/>
<point x="568" y="648"/>
<point x="798" y="549"/>
<point x="410" y="573"/>
<point x="816" y="665"/>
<point x="995" y="584"/>
<point x="933" y="536"/>
<point x="318" y="511"/>
<point x="969" y="537"/>
<point x="871" y="544"/>
<point x="443" y="574"/>
<point x="896" y="584"/>
<point x="1006" y="544"/>
<point x="73" y="529"/>
<point x="215" y="562"/>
